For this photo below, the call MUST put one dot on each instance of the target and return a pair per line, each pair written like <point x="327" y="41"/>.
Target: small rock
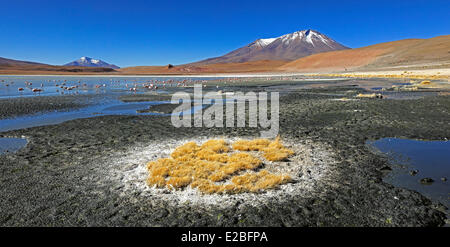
<point x="413" y="172"/>
<point x="309" y="174"/>
<point x="386" y="169"/>
<point x="444" y="179"/>
<point x="426" y="181"/>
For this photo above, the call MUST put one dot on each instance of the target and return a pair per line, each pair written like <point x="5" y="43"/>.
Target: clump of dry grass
<point x="273" y="151"/>
<point x="251" y="145"/>
<point x="276" y="151"/>
<point x="370" y="96"/>
<point x="259" y="181"/>
<point x="203" y="166"/>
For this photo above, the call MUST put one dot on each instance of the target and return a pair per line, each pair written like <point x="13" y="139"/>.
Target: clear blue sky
<point x="129" y="33"/>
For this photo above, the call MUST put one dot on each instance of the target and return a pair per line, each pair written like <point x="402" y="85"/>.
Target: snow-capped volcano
<point x="91" y="62"/>
<point x="286" y="47"/>
<point x="308" y="36"/>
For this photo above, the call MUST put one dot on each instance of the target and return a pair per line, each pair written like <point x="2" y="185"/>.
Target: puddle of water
<point x="109" y="107"/>
<point x="406" y="95"/>
<point x="11" y="145"/>
<point x="129" y="108"/>
<point x="100" y="109"/>
<point x="431" y="159"/>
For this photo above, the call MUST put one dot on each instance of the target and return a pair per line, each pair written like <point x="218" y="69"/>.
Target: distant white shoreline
<point x="199" y="76"/>
<point x="420" y="72"/>
<point x="186" y="76"/>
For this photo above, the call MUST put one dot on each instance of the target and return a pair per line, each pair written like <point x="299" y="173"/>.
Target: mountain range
<point x="287" y="47"/>
<point x="316" y="52"/>
<point x="91" y="62"/>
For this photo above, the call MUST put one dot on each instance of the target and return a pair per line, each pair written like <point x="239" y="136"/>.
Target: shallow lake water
<point x="11" y="145"/>
<point x="413" y="160"/>
<point x="107" y="91"/>
<point x="54" y="85"/>
<point x="101" y="109"/>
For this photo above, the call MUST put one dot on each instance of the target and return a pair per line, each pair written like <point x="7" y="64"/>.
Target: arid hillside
<point x="255" y="66"/>
<point x="408" y="53"/>
<point x="12" y="62"/>
<point x="16" y="67"/>
<point x="51" y="70"/>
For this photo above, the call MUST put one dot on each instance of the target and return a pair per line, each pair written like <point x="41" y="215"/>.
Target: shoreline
<point x="393" y="74"/>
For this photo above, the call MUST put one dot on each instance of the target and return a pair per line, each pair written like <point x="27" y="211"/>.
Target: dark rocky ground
<point x="144" y="97"/>
<point x="166" y="108"/>
<point x="29" y="105"/>
<point x="51" y="183"/>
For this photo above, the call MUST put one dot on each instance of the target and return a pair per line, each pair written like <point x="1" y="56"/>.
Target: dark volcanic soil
<point x="58" y="179"/>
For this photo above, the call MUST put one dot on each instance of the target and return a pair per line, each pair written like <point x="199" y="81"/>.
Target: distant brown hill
<point x="287" y="47"/>
<point x="12" y="62"/>
<point x="11" y="66"/>
<point x="51" y="70"/>
<point x="245" y="67"/>
<point x="397" y="54"/>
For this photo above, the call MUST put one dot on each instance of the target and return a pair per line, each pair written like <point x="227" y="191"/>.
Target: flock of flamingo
<point x="65" y="86"/>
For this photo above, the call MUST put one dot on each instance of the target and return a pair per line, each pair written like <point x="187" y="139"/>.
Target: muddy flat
<point x="91" y="170"/>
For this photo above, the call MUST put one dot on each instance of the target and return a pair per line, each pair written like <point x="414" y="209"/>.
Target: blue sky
<point x="129" y="33"/>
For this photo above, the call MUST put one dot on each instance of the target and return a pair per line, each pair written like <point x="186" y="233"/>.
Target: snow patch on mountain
<point x="91" y="62"/>
<point x="267" y="41"/>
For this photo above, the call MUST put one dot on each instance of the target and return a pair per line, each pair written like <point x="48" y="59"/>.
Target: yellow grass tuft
<point x="408" y="75"/>
<point x="273" y="151"/>
<point x="254" y="145"/>
<point x="178" y="182"/>
<point x="203" y="166"/>
<point x="370" y="96"/>
<point x="218" y="146"/>
<point x="157" y="181"/>
<point x="344" y="99"/>
<point x="259" y="181"/>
